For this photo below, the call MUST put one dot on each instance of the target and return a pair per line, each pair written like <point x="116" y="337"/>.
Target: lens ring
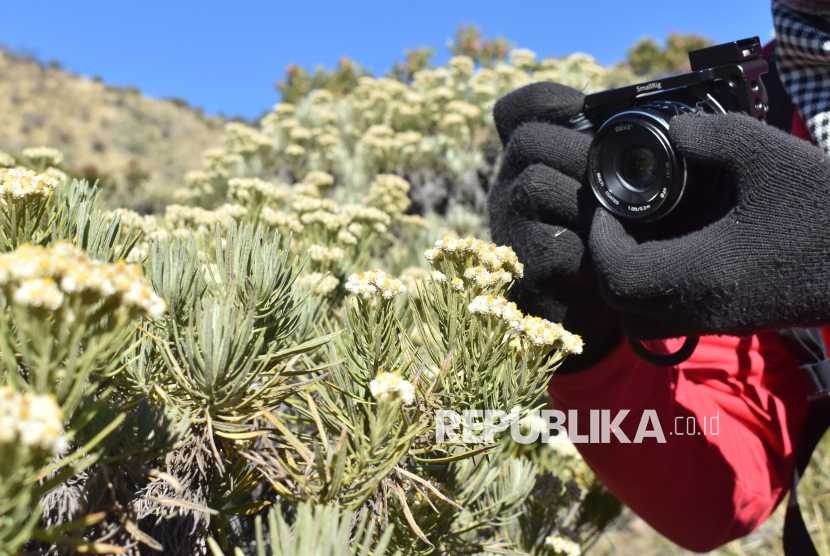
<point x="644" y="190"/>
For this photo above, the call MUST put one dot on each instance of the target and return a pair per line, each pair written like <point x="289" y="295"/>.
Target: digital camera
<point x="633" y="169"/>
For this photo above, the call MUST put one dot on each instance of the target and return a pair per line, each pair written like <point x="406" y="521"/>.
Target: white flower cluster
<point x="244" y="140"/>
<point x="38" y="277"/>
<point x="328" y="220"/>
<point x="391" y="387"/>
<point x="367" y="285"/>
<point x="347" y="223"/>
<point x="389" y="193"/>
<point x="435" y="120"/>
<point x="25" y="184"/>
<point x="59" y="175"/>
<point x="321" y="180"/>
<point x="563" y="546"/>
<point x="321" y="254"/>
<point x="6" y="160"/>
<point x="305" y="190"/>
<point x="563" y="446"/>
<point x="325" y="287"/>
<point x="285" y="222"/>
<point x="366" y="216"/>
<point x="146" y="223"/>
<point x="183" y="217"/>
<point x="536" y="331"/>
<point x="441" y="120"/>
<point x="499" y="307"/>
<point x="482" y="263"/>
<point x="437" y="277"/>
<point x="43" y="155"/>
<point x="543" y="333"/>
<point x="483" y="278"/>
<point x="33" y="421"/>
<point x="40" y="293"/>
<point x="246" y="188"/>
<point x="304" y="204"/>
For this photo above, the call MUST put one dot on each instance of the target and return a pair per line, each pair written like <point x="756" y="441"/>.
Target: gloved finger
<point x="650" y="270"/>
<point x="543" y="194"/>
<point x="745" y="145"/>
<point x="547" y="252"/>
<point x="731" y="140"/>
<point x="560" y="148"/>
<point x="537" y="102"/>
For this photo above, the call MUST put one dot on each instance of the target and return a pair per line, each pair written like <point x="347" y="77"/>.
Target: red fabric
<point x="700" y="490"/>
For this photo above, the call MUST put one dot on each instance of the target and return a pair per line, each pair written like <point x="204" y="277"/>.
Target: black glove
<point x="766" y="264"/>
<point x="540" y="207"/>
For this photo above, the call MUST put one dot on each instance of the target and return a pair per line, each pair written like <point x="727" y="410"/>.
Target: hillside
<point x="139" y="146"/>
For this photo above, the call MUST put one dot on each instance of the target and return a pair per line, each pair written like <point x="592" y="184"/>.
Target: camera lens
<point x="635" y="166"/>
<point x="633" y="169"/>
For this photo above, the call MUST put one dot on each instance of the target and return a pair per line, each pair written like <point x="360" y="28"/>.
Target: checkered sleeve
<point x="803" y="60"/>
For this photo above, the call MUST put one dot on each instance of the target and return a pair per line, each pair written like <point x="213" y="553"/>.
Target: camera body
<point x="632" y="167"/>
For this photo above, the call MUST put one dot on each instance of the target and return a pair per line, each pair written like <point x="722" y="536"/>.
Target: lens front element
<point x="636" y="167"/>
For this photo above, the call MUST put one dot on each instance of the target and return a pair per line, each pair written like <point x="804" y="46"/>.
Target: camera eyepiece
<point x="633" y="168"/>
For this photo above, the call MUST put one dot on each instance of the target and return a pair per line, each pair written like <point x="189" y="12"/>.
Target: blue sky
<point x="225" y="56"/>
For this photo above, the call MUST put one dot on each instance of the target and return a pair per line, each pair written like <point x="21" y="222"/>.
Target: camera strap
<point x="807" y="346"/>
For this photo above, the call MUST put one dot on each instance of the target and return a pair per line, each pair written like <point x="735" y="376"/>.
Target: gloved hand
<point x="764" y="265"/>
<point x="541" y="208"/>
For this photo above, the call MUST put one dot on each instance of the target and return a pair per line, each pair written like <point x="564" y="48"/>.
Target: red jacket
<point x="699" y="490"/>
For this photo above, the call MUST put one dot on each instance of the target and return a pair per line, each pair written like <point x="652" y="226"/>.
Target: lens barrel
<point x="633" y="169"/>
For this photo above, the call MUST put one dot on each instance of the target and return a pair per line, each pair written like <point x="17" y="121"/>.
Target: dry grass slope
<point x="116" y="130"/>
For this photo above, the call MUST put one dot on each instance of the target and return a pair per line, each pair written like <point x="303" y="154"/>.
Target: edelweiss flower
<point x="321" y="253"/>
<point x="287" y="222"/>
<point x="41" y="293"/>
<point x="437" y="277"/>
<point x="25" y="184"/>
<point x="31" y="420"/>
<point x="346" y="237"/>
<point x="367" y="284"/>
<point x="498" y="264"/>
<point x="480" y="277"/>
<point x="245" y="188"/>
<point x="303" y="204"/>
<point x="35" y="276"/>
<point x="6" y="160"/>
<point x="391" y="387"/>
<point x="43" y="155"/>
<point x="325" y="287"/>
<point x="488" y="305"/>
<point x="433" y="256"/>
<point x="540" y="332"/>
<point x="563" y="546"/>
